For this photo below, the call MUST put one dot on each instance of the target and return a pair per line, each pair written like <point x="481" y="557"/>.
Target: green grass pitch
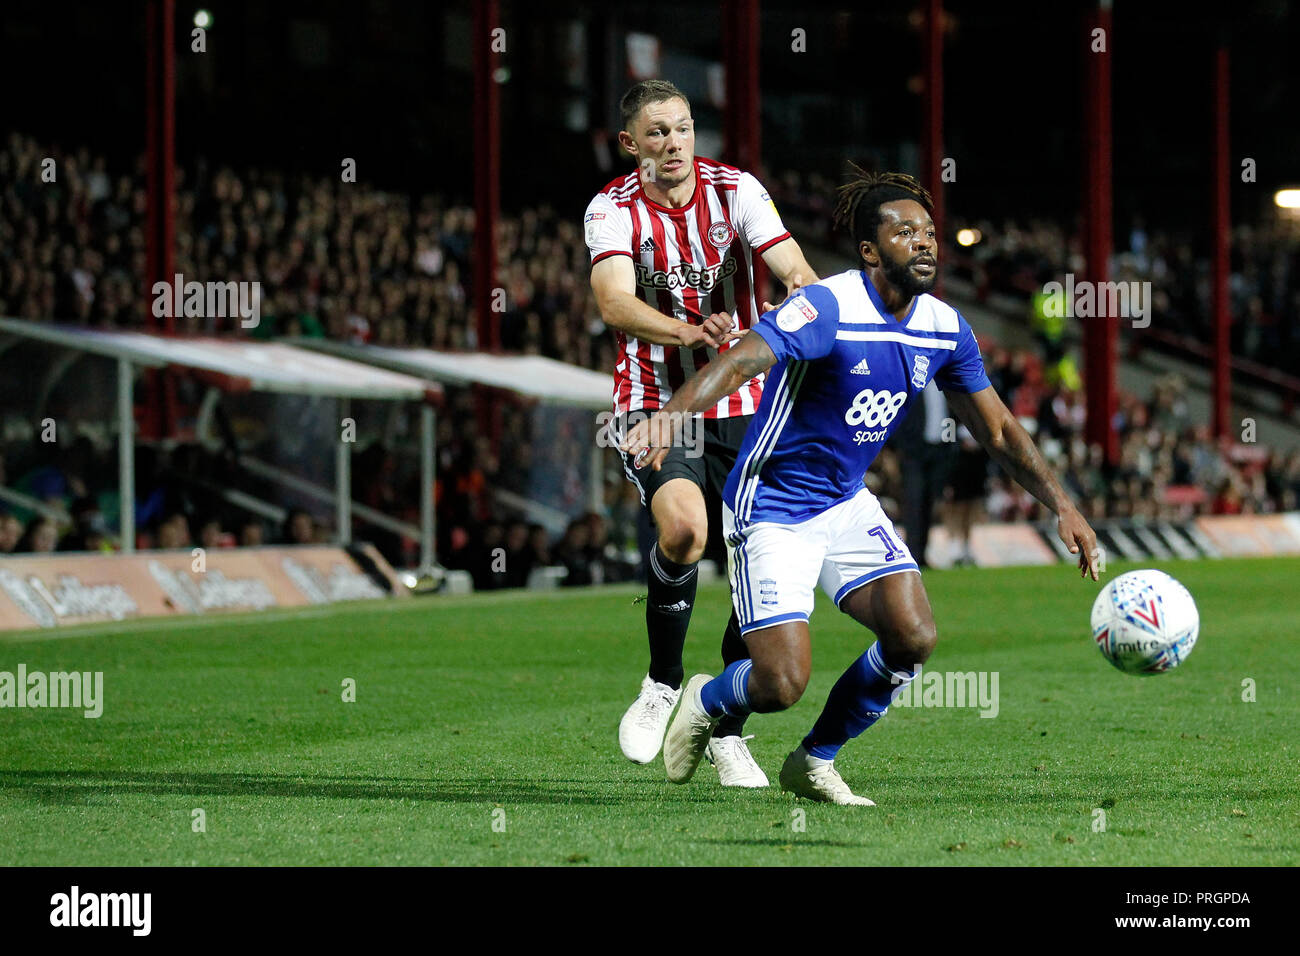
<point x="484" y="732"/>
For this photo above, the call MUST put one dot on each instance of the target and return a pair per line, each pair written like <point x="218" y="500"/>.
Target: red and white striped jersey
<point x="690" y="262"/>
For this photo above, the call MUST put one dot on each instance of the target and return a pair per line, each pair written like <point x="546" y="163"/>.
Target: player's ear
<point x="867" y="250"/>
<point x="627" y="142"/>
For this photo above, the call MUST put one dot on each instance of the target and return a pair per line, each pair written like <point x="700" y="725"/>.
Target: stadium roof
<point x="532" y="375"/>
<point x="237" y="365"/>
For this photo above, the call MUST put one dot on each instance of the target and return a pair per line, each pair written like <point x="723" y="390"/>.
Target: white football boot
<point x="735" y="764"/>
<point x="815" y="779"/>
<point x="689" y="733"/>
<point x="641" y="731"/>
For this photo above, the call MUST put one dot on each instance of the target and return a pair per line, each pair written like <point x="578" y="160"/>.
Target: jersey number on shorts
<point x="890" y="551"/>
<point x="873" y="408"/>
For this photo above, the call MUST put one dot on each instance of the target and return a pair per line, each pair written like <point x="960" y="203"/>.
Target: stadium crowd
<point x="1170" y="466"/>
<point x="78" y="501"/>
<point x="351" y="262"/>
<point x="1263" y="286"/>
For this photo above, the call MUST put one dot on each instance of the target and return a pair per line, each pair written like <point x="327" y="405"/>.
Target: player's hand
<point x="722" y="327"/>
<point x="714" y="332"/>
<point x="1081" y="540"/>
<point x="648" y="443"/>
<point x="796" y="284"/>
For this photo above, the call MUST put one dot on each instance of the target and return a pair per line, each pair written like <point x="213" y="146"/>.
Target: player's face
<point x="907" y="247"/>
<point x="663" y="142"/>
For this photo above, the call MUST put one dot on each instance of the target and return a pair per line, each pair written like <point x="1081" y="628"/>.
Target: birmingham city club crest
<point x="920" y="366"/>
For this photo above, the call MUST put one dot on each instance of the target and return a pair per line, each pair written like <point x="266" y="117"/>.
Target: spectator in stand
<point x="606" y="562"/>
<point x="539" y="546"/>
<point x="491" y="565"/>
<point x="1282" y="479"/>
<point x="572" y="552"/>
<point x="41" y="536"/>
<point x="11" y="532"/>
<point x="927" y="454"/>
<point x="211" y="536"/>
<point x="970" y="475"/>
<point x="174" y="532"/>
<point x="1228" y="499"/>
<point x="456" y="554"/>
<point x="251" y="533"/>
<point x="89" y="533"/>
<point x="520" y="559"/>
<point x="299" y="527"/>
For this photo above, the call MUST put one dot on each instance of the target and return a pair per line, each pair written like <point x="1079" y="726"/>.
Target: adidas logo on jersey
<point x="860" y="369"/>
<point x="648" y="246"/>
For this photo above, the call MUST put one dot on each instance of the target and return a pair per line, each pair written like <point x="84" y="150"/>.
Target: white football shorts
<point x="773" y="568"/>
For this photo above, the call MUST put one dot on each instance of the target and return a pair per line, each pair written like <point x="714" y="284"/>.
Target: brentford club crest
<point x="721" y="234"/>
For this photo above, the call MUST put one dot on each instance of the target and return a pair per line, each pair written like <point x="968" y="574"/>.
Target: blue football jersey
<point x="845" y="373"/>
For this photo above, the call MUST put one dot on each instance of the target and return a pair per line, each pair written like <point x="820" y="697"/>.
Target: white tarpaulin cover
<point x="251" y="366"/>
<point x="533" y="375"/>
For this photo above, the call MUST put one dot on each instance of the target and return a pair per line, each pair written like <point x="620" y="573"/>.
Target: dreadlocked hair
<point x="858" y="207"/>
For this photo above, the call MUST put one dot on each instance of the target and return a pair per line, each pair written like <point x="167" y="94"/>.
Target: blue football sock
<point x="859" y="698"/>
<point x="728" y="693"/>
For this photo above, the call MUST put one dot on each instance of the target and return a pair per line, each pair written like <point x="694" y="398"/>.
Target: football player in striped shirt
<point x="846" y="358"/>
<point x="672" y="246"/>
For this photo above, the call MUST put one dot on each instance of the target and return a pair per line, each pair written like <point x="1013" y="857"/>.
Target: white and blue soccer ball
<point x="1145" y="622"/>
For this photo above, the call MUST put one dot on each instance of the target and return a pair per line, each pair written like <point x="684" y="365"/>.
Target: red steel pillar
<point x="160" y="152"/>
<point x="1100" y="334"/>
<point x="932" y="134"/>
<point x="742" y="120"/>
<point x="487" y="170"/>
<point x="160" y="192"/>
<point x="1220" y="228"/>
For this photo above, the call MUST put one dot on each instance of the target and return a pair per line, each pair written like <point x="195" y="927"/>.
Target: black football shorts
<point x="706" y="457"/>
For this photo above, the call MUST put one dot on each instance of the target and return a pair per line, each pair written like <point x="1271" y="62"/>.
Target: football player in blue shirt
<point x="846" y="357"/>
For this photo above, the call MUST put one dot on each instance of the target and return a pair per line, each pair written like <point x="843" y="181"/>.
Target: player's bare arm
<point x="613" y="281"/>
<point x="1007" y="443"/>
<point x="787" y="262"/>
<point x="730" y="370"/>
